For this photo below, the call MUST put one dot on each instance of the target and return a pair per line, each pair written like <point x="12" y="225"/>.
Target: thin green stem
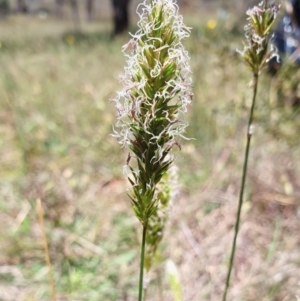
<point x="141" y="284"/>
<point x="238" y="215"/>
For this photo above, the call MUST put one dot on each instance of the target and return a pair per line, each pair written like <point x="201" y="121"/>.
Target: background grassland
<point x="55" y="145"/>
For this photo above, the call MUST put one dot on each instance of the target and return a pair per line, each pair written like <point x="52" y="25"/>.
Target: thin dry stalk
<point x="40" y="213"/>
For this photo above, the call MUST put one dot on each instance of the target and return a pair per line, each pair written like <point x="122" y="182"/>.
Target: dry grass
<point x="55" y="141"/>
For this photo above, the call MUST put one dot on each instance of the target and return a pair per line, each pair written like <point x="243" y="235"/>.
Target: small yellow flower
<point x="211" y="24"/>
<point x="70" y="39"/>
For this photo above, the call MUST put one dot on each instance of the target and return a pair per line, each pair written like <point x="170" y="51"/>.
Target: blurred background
<point x="60" y="63"/>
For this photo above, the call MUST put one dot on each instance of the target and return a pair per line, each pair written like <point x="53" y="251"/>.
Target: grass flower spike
<point x="257" y="52"/>
<point x="150" y="107"/>
<point x="258" y="47"/>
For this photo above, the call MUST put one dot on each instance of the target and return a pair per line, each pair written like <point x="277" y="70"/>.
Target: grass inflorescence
<point x="257" y="52"/>
<point x="150" y="107"/>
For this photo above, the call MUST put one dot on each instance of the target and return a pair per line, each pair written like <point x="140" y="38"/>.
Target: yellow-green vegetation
<point x="55" y="127"/>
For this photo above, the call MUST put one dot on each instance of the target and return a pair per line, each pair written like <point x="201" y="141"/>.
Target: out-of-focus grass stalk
<point x="174" y="280"/>
<point x="10" y="92"/>
<point x="40" y="214"/>
<point x="258" y="50"/>
<point x="167" y="191"/>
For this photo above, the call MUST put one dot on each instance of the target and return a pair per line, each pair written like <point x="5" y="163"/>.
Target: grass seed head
<point x="258" y="47"/>
<point x="156" y="94"/>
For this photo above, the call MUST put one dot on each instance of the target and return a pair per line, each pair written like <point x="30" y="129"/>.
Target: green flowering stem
<point x="142" y="260"/>
<point x="258" y="50"/>
<point x="238" y="215"/>
<point x="151" y="106"/>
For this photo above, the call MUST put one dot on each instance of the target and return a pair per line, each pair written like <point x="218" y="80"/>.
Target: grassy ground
<point x="55" y="128"/>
